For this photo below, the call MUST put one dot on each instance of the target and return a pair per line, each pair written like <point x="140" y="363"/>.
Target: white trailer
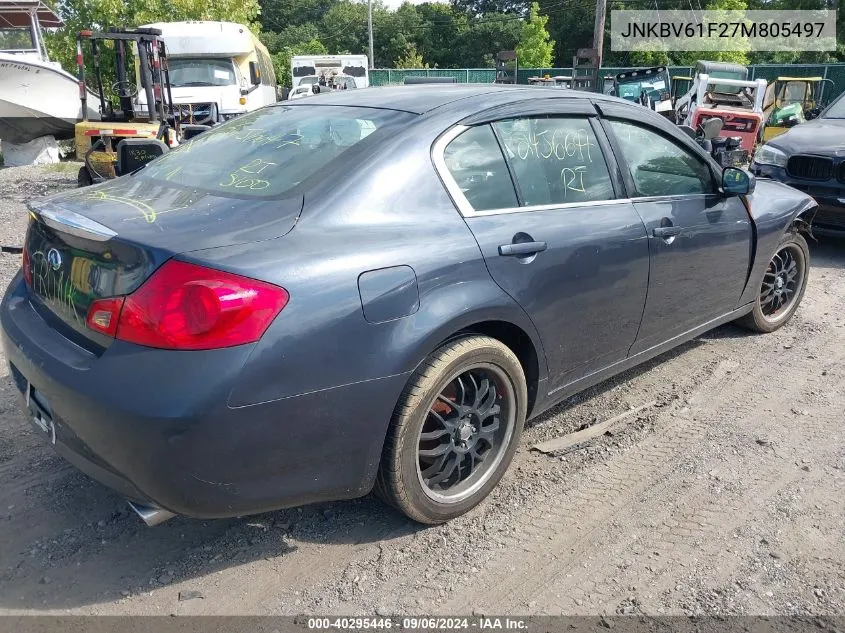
<point x="218" y="70"/>
<point x="329" y="70"/>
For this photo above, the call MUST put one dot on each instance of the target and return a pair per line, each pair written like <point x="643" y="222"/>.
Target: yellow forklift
<point x="790" y="101"/>
<point x="124" y="138"/>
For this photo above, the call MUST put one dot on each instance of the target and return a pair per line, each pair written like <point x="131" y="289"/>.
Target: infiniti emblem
<point x="54" y="258"/>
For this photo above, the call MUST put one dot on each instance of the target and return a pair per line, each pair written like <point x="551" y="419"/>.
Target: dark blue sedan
<point x="375" y="289"/>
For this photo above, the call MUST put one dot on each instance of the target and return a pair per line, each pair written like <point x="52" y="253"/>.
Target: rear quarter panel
<point x="392" y="211"/>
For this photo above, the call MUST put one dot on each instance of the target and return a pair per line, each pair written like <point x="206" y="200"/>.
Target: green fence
<point x="834" y="72"/>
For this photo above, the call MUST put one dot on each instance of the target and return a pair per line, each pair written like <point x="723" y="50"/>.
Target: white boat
<point x="37" y="97"/>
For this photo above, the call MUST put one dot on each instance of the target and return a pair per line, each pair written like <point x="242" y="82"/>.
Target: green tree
<point x="486" y="37"/>
<point x="278" y="15"/>
<point x="344" y="27"/>
<point x="442" y="37"/>
<point x="535" y="46"/>
<point x="410" y="59"/>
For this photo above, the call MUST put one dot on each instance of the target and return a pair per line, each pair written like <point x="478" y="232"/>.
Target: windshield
<point x="793" y="92"/>
<point x="655" y="89"/>
<point x="188" y="71"/>
<point x="16" y="40"/>
<point x="836" y="109"/>
<point x="307" y="81"/>
<point x="269" y="152"/>
<point x="726" y="74"/>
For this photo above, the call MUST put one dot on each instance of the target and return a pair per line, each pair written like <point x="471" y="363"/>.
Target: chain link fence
<point x="834" y="72"/>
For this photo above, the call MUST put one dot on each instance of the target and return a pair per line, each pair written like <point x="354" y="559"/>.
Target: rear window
<point x="270" y="152"/>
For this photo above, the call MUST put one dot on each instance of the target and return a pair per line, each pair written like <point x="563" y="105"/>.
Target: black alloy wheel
<point x="454" y="430"/>
<point x="782" y="281"/>
<point x="465" y="432"/>
<point x="782" y="287"/>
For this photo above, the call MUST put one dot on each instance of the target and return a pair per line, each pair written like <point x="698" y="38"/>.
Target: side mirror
<point x="687" y="129"/>
<point x="254" y="74"/>
<point x="736" y="181"/>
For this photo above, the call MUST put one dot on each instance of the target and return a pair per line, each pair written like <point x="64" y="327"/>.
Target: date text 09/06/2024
<point x="480" y="623"/>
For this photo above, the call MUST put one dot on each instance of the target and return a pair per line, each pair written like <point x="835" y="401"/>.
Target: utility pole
<point x="370" y="29"/>
<point x="598" y="33"/>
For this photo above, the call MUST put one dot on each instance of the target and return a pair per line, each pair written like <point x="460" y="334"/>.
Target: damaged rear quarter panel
<point x="774" y="207"/>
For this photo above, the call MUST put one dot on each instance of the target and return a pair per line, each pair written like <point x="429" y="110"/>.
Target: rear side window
<point x="475" y="161"/>
<point x="658" y="166"/>
<point x="270" y="152"/>
<point x="555" y="160"/>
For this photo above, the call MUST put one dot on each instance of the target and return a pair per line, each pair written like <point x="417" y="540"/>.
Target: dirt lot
<point x="726" y="498"/>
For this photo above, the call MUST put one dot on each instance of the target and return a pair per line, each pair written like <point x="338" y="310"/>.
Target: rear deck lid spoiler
<point x="70" y="222"/>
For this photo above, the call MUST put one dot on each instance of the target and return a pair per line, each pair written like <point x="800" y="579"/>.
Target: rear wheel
<point x="782" y="287"/>
<point x="454" y="431"/>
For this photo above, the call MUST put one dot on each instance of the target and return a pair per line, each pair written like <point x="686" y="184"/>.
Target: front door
<point x="699" y="238"/>
<point x="555" y="236"/>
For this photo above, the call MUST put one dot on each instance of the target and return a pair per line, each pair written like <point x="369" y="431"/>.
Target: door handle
<point x="522" y="249"/>
<point x="666" y="231"/>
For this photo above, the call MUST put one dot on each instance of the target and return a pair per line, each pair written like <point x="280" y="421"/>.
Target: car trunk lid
<point x="105" y="241"/>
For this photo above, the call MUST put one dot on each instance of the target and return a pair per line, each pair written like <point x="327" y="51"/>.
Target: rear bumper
<point x="154" y="425"/>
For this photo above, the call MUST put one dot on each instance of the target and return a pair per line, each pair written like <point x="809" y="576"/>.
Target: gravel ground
<point x="725" y="498"/>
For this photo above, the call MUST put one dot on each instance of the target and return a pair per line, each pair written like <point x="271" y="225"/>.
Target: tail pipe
<point x="150" y="515"/>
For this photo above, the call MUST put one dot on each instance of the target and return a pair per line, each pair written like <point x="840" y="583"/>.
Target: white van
<point x="218" y="70"/>
<point x="333" y="71"/>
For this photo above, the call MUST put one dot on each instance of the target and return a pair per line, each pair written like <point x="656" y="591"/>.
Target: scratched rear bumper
<point x="154" y="425"/>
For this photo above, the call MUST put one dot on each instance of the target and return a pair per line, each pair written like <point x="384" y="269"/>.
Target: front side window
<point x="475" y="161"/>
<point x="270" y="151"/>
<point x="555" y="160"/>
<point x="658" y="166"/>
<point x="188" y="71"/>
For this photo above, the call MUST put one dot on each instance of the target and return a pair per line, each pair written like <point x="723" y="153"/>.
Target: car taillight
<point x="188" y="307"/>
<point x="104" y="314"/>
<point x="26" y="264"/>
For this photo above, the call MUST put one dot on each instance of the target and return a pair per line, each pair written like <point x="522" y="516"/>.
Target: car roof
<point x="422" y="98"/>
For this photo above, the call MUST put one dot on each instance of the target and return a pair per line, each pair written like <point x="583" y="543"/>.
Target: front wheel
<point x="782" y="287"/>
<point x="454" y="431"/>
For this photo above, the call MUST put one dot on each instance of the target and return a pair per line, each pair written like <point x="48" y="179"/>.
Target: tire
<point x="478" y="429"/>
<point x="762" y="319"/>
<point x="83" y="178"/>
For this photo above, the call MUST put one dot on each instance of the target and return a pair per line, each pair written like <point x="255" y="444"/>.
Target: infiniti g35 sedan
<point x="375" y="289"/>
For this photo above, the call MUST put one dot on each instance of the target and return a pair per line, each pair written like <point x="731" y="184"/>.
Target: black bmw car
<point x="811" y="157"/>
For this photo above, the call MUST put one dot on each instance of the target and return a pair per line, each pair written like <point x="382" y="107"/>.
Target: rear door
<point x="699" y="239"/>
<point x="539" y="194"/>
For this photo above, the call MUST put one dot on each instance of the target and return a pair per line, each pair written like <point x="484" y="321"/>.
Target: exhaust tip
<point x="150" y="515"/>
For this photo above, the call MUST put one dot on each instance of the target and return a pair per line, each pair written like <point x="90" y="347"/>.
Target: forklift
<point x="790" y="101"/>
<point x="125" y="139"/>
